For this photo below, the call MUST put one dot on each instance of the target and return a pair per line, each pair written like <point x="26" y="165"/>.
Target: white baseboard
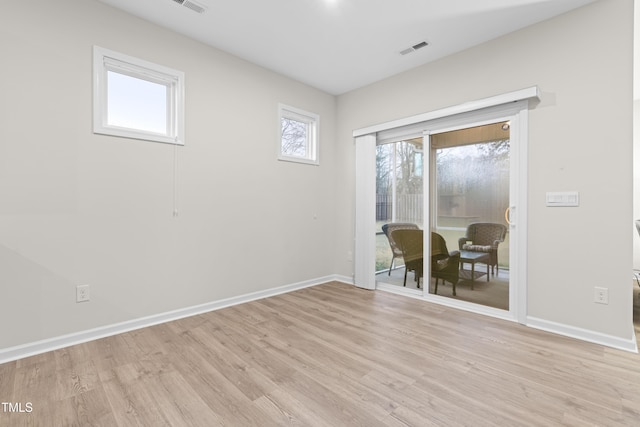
<point x="585" y="335"/>
<point x="533" y="322"/>
<point x="30" y="349"/>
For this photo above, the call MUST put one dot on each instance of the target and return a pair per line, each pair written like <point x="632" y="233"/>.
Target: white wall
<point x="78" y="208"/>
<point x="580" y="138"/>
<point x="636" y="183"/>
<point x="636" y="131"/>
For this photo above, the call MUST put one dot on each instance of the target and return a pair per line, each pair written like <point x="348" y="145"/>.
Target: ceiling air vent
<point x="192" y="5"/>
<point x="414" y="48"/>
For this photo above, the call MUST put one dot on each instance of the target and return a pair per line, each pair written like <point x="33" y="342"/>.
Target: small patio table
<point x="472" y="258"/>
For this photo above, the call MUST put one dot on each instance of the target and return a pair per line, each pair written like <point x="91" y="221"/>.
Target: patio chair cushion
<point x="477" y="248"/>
<point x="484" y="237"/>
<point x="441" y="264"/>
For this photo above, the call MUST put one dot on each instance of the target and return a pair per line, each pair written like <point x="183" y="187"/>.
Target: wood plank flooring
<point x="331" y="355"/>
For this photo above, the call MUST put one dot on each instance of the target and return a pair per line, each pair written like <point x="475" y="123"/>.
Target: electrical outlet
<point x="601" y="295"/>
<point x="82" y="293"/>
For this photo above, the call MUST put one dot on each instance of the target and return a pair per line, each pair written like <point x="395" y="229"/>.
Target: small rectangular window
<point x="298" y="139"/>
<point x="137" y="99"/>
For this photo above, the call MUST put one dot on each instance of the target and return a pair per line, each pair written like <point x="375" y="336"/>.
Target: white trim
<point x="429" y="209"/>
<point x="105" y="60"/>
<point x="584" y="334"/>
<point x="30" y="349"/>
<point x="532" y="93"/>
<point x="312" y="120"/>
<point x="532" y="322"/>
<point x="38" y="347"/>
<point x="520" y="182"/>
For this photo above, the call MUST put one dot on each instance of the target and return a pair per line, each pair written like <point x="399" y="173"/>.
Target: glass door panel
<point x="470" y="198"/>
<point x="399" y="200"/>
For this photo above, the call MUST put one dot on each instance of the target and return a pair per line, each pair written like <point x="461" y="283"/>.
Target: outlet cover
<point x="82" y="293"/>
<point x="601" y="295"/>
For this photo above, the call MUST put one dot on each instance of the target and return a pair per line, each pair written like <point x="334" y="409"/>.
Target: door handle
<point x="507" y="215"/>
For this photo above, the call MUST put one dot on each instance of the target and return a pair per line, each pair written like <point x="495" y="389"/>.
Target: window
<point x="137" y="99"/>
<point x="298" y="141"/>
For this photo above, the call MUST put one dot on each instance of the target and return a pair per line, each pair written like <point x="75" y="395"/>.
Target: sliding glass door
<point x="470" y="199"/>
<point x="470" y="161"/>
<point x="399" y="204"/>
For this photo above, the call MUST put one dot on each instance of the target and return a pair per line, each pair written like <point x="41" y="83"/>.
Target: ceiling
<point x="341" y="45"/>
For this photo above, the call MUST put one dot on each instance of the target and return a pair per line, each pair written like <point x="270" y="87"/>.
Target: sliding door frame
<point x="513" y="106"/>
<point x="517" y="202"/>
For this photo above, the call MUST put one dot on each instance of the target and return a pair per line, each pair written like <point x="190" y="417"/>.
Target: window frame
<point x="312" y="139"/>
<point x="104" y="61"/>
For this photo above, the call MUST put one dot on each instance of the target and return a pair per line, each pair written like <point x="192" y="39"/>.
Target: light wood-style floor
<point x="331" y="355"/>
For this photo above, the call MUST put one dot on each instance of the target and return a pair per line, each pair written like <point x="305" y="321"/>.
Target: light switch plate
<point x="563" y="198"/>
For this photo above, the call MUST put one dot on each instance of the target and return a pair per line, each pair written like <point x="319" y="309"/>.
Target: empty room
<point x="214" y="213"/>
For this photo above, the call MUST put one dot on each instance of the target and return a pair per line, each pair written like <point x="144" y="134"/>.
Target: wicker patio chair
<point x="395" y="250"/>
<point x="445" y="265"/>
<point x="484" y="237"/>
<point x="409" y="241"/>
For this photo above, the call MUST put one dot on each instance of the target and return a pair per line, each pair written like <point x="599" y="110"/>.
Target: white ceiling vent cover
<point x="189" y="4"/>
<point x="413" y="48"/>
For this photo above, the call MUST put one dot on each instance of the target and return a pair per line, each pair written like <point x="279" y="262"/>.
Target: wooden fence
<point x="409" y="208"/>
